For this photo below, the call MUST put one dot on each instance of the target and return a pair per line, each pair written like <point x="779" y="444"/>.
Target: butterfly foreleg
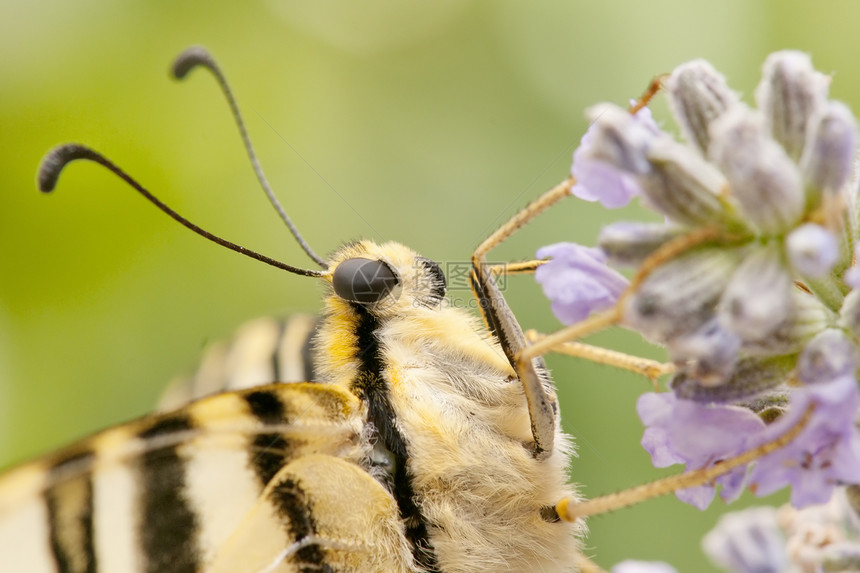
<point x="500" y="320"/>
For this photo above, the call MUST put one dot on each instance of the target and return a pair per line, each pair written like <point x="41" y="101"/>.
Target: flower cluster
<point x="748" y="281"/>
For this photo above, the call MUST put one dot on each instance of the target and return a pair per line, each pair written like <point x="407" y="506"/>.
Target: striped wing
<point x="263" y="351"/>
<point x="259" y="480"/>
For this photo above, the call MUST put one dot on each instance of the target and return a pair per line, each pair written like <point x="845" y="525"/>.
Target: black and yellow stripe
<point x="158" y="459"/>
<point x="167" y="523"/>
<point x="69" y="508"/>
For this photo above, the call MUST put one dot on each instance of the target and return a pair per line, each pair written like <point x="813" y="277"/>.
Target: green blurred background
<point x="428" y="123"/>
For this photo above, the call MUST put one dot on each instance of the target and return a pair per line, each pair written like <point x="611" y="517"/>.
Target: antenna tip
<point x="189" y="59"/>
<point x="54" y="162"/>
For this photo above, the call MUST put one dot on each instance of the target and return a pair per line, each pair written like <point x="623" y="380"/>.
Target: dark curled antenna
<point x="200" y="56"/>
<point x="57" y="159"/>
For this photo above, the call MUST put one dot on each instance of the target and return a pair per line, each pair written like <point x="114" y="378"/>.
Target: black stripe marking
<point x="167" y="522"/>
<point x="268" y="450"/>
<point x="70" y="514"/>
<point x="370" y="387"/>
<point x="291" y="502"/>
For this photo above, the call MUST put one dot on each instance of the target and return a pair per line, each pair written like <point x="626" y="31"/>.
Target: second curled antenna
<point x="200" y="56"/>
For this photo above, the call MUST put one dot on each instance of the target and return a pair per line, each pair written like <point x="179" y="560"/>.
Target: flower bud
<point x="708" y="354"/>
<point x="698" y="94"/>
<point x="791" y="92"/>
<point x="831" y="148"/>
<point x="757" y="299"/>
<point x="680" y="295"/>
<point x="752" y="376"/>
<point x="618" y="138"/>
<point x="748" y="541"/>
<point x="682" y="185"/>
<point x="599" y="179"/>
<point x="764" y="180"/>
<point x="629" y="243"/>
<point x="806" y="316"/>
<point x="812" y="250"/>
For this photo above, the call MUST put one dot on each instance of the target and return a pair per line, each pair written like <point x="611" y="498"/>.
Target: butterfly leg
<point x="650" y="369"/>
<point x="500" y="320"/>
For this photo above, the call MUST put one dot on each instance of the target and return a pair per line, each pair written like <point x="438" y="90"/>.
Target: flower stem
<point x="569" y="511"/>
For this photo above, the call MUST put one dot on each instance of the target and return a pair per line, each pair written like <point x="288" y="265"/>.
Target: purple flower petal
<point x="599" y="181"/>
<point x="825" y="454"/>
<point x="697" y="435"/>
<point x="577" y="281"/>
<point x="699" y="497"/>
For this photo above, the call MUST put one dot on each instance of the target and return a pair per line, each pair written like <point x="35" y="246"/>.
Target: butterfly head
<point x="385" y="278"/>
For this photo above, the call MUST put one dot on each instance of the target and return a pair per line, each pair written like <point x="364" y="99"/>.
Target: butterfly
<point x="424" y="442"/>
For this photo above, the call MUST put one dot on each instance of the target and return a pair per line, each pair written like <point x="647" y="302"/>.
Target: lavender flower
<point x="748" y="541"/>
<point x="600" y="180"/>
<point x="686" y="432"/>
<point x="764" y="539"/>
<point x="577" y="281"/>
<point x="745" y="282"/>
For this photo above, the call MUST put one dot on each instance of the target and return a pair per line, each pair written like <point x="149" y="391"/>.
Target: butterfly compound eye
<point x="363" y="280"/>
